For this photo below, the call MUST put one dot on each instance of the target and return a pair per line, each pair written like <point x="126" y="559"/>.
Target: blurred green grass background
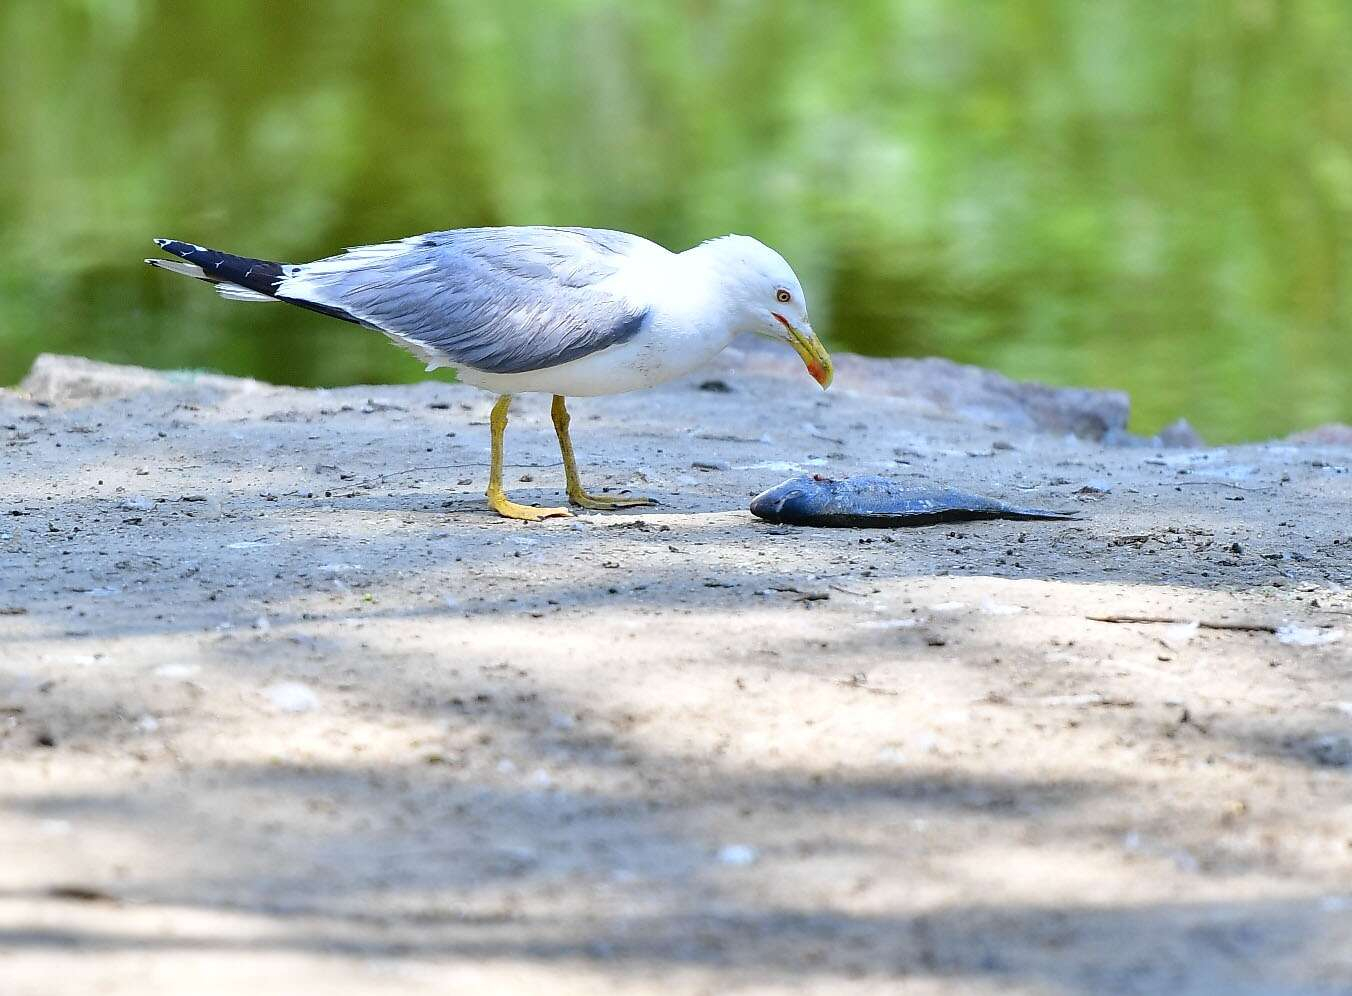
<point x="1140" y="194"/>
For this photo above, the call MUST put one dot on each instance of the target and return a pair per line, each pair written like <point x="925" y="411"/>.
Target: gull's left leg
<point x="497" y="500"/>
<point x="575" y="493"/>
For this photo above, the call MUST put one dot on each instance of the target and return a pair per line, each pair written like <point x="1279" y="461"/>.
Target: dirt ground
<point x="284" y="709"/>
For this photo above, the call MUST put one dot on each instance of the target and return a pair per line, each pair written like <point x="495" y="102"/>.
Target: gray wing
<point x="500" y="300"/>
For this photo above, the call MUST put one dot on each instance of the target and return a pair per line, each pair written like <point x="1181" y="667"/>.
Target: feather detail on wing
<point x="498" y="300"/>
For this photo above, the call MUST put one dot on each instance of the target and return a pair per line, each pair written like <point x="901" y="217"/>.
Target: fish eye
<point x="783" y="296"/>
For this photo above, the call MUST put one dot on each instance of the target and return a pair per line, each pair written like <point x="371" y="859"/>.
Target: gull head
<point x="767" y="299"/>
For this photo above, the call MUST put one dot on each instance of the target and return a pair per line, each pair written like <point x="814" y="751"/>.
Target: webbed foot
<point x="509" y="509"/>
<point x="603" y="503"/>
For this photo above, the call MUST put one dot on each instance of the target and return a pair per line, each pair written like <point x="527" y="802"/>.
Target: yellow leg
<point x="497" y="500"/>
<point x="575" y="493"/>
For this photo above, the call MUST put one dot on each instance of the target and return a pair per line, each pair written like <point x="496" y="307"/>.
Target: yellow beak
<point x="814" y="354"/>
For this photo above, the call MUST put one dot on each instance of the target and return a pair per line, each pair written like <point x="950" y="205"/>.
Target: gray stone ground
<point x="284" y="709"/>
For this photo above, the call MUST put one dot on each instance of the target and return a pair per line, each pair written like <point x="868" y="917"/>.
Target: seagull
<point x="572" y="312"/>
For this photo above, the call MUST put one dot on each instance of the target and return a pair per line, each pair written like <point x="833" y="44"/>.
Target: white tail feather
<point x="234" y="292"/>
<point x="179" y="266"/>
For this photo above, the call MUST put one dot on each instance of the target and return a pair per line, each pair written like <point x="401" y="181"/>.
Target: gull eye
<point x="783" y="296"/>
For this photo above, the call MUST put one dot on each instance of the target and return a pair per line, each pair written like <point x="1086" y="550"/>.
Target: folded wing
<point x="500" y="300"/>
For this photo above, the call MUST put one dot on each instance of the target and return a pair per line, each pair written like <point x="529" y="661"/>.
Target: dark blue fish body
<point x="877" y="502"/>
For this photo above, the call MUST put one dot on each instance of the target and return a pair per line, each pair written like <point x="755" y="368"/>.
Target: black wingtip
<point x="162" y="242"/>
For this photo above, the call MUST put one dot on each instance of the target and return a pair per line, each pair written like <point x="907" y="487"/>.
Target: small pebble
<point x="177" y="672"/>
<point x="1294" y="635"/>
<point x="291" y="696"/>
<point x="1332" y="750"/>
<point x="738" y="855"/>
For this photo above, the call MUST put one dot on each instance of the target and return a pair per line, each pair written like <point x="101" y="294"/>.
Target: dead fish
<point x="876" y="502"/>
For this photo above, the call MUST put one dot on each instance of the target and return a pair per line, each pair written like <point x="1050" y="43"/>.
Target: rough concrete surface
<point x="284" y="709"/>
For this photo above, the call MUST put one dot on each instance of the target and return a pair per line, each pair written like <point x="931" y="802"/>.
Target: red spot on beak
<point x="807" y="347"/>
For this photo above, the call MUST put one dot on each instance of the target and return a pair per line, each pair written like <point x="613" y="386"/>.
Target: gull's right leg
<point x="575" y="493"/>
